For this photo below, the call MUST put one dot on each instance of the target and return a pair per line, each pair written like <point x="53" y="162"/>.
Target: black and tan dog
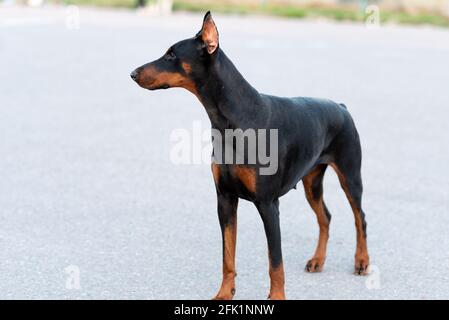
<point x="312" y="135"/>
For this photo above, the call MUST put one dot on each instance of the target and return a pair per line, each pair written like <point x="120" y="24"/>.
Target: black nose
<point x="134" y="75"/>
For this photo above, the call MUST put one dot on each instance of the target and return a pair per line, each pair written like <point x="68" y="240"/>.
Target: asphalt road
<point x="86" y="181"/>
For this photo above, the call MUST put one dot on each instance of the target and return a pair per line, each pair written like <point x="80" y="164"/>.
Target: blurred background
<point x="92" y="205"/>
<point x="403" y="11"/>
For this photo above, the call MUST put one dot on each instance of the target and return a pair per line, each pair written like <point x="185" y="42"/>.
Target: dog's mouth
<point x="148" y="78"/>
<point x="152" y="85"/>
<point x="164" y="86"/>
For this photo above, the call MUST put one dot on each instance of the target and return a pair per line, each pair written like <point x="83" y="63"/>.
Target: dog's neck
<point x="230" y="101"/>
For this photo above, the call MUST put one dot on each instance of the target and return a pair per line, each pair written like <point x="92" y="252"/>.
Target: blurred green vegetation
<point x="104" y="3"/>
<point x="268" y="9"/>
<point x="340" y="13"/>
<point x="416" y="19"/>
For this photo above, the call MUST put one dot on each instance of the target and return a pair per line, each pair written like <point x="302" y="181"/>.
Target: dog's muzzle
<point x="134" y="75"/>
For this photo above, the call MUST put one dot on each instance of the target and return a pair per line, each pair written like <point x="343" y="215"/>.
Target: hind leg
<point x="348" y="171"/>
<point x="313" y="187"/>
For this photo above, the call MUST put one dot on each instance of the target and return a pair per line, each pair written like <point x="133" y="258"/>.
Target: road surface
<point x="92" y="207"/>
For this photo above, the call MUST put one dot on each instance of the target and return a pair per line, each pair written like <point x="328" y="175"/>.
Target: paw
<point x="315" y="265"/>
<point x="361" y="266"/>
<point x="276" y="296"/>
<point x="222" y="295"/>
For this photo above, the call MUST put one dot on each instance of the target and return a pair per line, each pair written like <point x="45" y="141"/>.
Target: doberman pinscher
<point x="312" y="135"/>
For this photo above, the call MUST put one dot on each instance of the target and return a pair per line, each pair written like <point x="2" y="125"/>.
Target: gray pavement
<point x="86" y="179"/>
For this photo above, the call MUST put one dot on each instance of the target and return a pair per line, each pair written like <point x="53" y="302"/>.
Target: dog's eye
<point x="170" y="55"/>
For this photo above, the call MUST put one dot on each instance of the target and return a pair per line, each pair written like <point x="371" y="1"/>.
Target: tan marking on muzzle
<point x="151" y="78"/>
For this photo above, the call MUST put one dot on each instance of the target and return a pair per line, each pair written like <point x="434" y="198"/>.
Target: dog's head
<point x="183" y="64"/>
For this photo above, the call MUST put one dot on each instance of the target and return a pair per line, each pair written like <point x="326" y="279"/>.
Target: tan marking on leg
<point x="227" y="289"/>
<point x="361" y="253"/>
<point x="277" y="282"/>
<point x="317" y="262"/>
<point x="216" y="171"/>
<point x="247" y="176"/>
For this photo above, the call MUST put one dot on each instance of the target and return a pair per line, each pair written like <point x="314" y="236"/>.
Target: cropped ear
<point x="209" y="33"/>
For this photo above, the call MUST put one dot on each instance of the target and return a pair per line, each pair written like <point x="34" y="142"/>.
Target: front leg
<point x="227" y="214"/>
<point x="269" y="211"/>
